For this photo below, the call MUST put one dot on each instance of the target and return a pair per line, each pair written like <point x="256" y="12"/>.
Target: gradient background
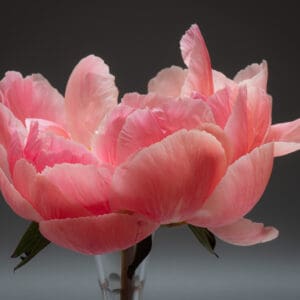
<point x="137" y="40"/>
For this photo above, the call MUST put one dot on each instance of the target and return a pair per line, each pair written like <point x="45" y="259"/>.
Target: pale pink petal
<point x="221" y="81"/>
<point x="171" y="179"/>
<point x="32" y="97"/>
<point x="249" y="123"/>
<point x="16" y="202"/>
<point x="150" y="100"/>
<point x="10" y="126"/>
<point x="52" y="203"/>
<point x="286" y="137"/>
<point x="24" y="178"/>
<point x="47" y="149"/>
<point x="47" y="126"/>
<point x="183" y="113"/>
<point x="239" y="190"/>
<point x="140" y="130"/>
<point x="254" y="75"/>
<point x="4" y="163"/>
<point x="196" y="57"/>
<point x="12" y="135"/>
<point x="245" y="233"/>
<point x="221" y="105"/>
<point x="86" y="185"/>
<point x="105" y="141"/>
<point x="98" y="235"/>
<point x="168" y="82"/>
<point x="90" y="94"/>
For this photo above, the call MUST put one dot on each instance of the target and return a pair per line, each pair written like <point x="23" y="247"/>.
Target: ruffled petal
<point x="221" y="81"/>
<point x="238" y="191"/>
<point x="286" y="137"/>
<point x="250" y="121"/>
<point x="47" y="149"/>
<point x="171" y="179"/>
<point x="255" y="75"/>
<point x="16" y="202"/>
<point x="140" y="130"/>
<point x="168" y="82"/>
<point x="196" y="57"/>
<point x="105" y="141"/>
<point x="87" y="185"/>
<point x="245" y="233"/>
<point x="221" y="105"/>
<point x="98" y="235"/>
<point x="90" y="94"/>
<point x="10" y="127"/>
<point x="32" y="97"/>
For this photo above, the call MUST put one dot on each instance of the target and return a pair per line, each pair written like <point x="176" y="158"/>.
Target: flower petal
<point x="249" y="123"/>
<point x="47" y="149"/>
<point x="286" y="137"/>
<point x="52" y="203"/>
<point x="16" y="202"/>
<point x="90" y="94"/>
<point x="4" y="163"/>
<point x="168" y="82"/>
<point x="105" y="141"/>
<point x="239" y="190"/>
<point x="245" y="233"/>
<point x="87" y="185"/>
<point x="140" y="130"/>
<point x="98" y="235"/>
<point x="32" y="97"/>
<point x="169" y="180"/>
<point x="254" y="75"/>
<point x="221" y="81"/>
<point x="196" y="57"/>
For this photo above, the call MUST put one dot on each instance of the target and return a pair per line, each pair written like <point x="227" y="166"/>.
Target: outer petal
<point x="245" y="233"/>
<point x="168" y="82"/>
<point x="13" y="198"/>
<point x="97" y="235"/>
<point x="250" y="120"/>
<point x="4" y="163"/>
<point x="286" y="137"/>
<point x="47" y="149"/>
<point x="90" y="94"/>
<point x="169" y="180"/>
<point x="32" y="97"/>
<point x="254" y="75"/>
<point x="86" y="185"/>
<point x="239" y="190"/>
<point x="196" y="57"/>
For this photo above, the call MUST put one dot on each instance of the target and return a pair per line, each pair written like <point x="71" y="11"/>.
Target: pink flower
<point x="99" y="177"/>
<point x="49" y="172"/>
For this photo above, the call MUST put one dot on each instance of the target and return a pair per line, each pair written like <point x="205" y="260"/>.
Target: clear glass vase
<point x="113" y="277"/>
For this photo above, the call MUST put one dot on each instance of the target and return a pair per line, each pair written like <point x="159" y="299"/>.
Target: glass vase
<point x="113" y="279"/>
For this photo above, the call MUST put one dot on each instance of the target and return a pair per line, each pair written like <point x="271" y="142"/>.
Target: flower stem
<point x="127" y="287"/>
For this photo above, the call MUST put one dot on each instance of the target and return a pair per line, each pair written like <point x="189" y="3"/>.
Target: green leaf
<point x="30" y="245"/>
<point x="142" y="250"/>
<point x="205" y="237"/>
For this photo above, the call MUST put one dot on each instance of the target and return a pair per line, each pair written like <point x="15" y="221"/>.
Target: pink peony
<point x="100" y="177"/>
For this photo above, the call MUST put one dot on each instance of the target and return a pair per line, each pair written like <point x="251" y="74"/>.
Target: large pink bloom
<point x="48" y="172"/>
<point x="99" y="176"/>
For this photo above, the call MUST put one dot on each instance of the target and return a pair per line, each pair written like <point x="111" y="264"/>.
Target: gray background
<point x="137" y="40"/>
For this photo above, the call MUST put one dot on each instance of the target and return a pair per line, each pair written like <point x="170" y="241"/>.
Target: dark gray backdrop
<point x="137" y="40"/>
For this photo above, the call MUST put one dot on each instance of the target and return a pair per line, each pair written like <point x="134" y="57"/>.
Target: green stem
<point x="127" y="287"/>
